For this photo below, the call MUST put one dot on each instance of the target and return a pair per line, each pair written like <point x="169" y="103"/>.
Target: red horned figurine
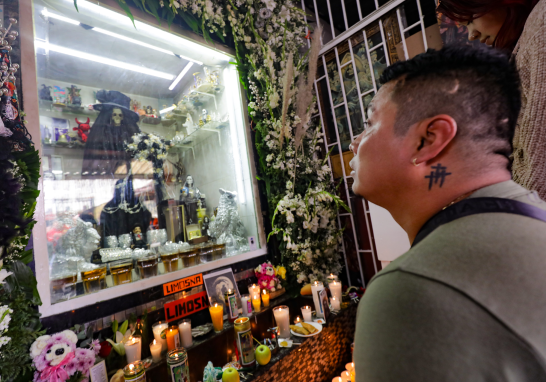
<point x="82" y="129"/>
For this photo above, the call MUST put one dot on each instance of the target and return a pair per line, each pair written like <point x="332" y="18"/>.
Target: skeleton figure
<point x="117" y="117"/>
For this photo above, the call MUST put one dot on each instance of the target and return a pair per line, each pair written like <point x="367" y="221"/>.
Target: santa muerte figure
<point x="116" y="124"/>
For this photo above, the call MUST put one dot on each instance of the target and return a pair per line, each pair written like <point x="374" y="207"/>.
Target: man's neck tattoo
<point x="438" y="175"/>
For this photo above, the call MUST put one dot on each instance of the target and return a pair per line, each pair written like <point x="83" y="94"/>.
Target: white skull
<point x="117" y="116"/>
<point x="189" y="181"/>
<point x="204" y="113"/>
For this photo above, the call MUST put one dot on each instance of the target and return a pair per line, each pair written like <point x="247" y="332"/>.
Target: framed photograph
<point x="218" y="283"/>
<point x="323" y="301"/>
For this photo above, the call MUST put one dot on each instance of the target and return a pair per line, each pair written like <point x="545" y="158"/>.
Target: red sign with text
<point x="185" y="306"/>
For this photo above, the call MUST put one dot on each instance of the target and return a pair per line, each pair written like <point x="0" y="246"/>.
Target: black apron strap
<point x="474" y="206"/>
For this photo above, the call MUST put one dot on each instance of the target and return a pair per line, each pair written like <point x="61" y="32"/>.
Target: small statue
<point x="47" y="136"/>
<point x="138" y="238"/>
<point x="205" y="226"/>
<point x="74" y="95"/>
<point x="45" y="93"/>
<point x="204" y="118"/>
<point x="189" y="192"/>
<point x="82" y="129"/>
<point x="149" y="110"/>
<point x="63" y="140"/>
<point x="197" y="81"/>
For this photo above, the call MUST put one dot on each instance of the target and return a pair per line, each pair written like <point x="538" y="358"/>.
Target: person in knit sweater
<point x="516" y="26"/>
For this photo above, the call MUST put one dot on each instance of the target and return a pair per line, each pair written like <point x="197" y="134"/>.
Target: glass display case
<point x="145" y="155"/>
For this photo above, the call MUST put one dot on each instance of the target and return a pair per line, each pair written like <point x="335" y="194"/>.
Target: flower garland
<point x="268" y="36"/>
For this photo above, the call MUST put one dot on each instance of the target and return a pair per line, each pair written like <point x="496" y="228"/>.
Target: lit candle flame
<point x="154" y="342"/>
<point x="316" y="282"/>
<point x="215" y="305"/>
<point x="264" y="291"/>
<point x="134" y="340"/>
<point x="255" y="297"/>
<point x="334" y="282"/>
<point x="229" y="290"/>
<point x="131" y="366"/>
<point x="333" y="298"/>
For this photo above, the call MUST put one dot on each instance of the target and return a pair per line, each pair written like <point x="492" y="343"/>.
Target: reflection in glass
<point x="362" y="67"/>
<point x="335" y="83"/>
<point x="351" y="93"/>
<point x="379" y="64"/>
<point x="328" y="118"/>
<point x="374" y="35"/>
<point x="343" y="128"/>
<point x="366" y="103"/>
<point x="351" y="251"/>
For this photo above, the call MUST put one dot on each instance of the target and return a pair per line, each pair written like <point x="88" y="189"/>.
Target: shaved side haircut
<point x="477" y="86"/>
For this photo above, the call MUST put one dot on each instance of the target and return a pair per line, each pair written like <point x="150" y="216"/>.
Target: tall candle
<point x="184" y="327"/>
<point x="158" y="329"/>
<point x="335" y="289"/>
<point x="336" y="304"/>
<point x="265" y="297"/>
<point x="155" y="349"/>
<point x="331" y="278"/>
<point x="217" y="315"/>
<point x="133" y="348"/>
<point x="256" y="302"/>
<point x="247" y="305"/>
<point x="173" y="340"/>
<point x="283" y="321"/>
<point x="316" y="287"/>
<point x="254" y="290"/>
<point x="306" y="313"/>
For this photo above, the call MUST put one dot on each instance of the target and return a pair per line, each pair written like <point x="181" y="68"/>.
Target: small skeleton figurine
<point x="117" y="116"/>
<point x="205" y="226"/>
<point x="204" y="118"/>
<point x="138" y="237"/>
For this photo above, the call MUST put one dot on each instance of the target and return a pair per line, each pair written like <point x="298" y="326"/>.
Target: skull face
<point x="117" y="116"/>
<point x="204" y="112"/>
<point x="189" y="181"/>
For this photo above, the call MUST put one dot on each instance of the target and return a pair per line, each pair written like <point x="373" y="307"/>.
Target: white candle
<point x="133" y="349"/>
<point x="335" y="289"/>
<point x="336" y="304"/>
<point x="345" y="376"/>
<point x="332" y="277"/>
<point x="316" y="287"/>
<point x="184" y="327"/>
<point x="254" y="290"/>
<point x="283" y="320"/>
<point x="158" y="328"/>
<point x="247" y="305"/>
<point x="307" y="314"/>
<point x="155" y="349"/>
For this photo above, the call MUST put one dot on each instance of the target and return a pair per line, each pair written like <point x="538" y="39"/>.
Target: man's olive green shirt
<point x="467" y="303"/>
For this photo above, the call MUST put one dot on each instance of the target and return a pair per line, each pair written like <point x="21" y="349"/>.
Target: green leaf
<point x="192" y="22"/>
<point x="23" y="279"/>
<point x="76" y="5"/>
<point x="115" y="327"/>
<point x="127" y="10"/>
<point x="123" y="327"/>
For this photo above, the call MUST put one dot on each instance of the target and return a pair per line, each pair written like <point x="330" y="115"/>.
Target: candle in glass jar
<point x="331" y="278"/>
<point x="173" y="340"/>
<point x="336" y="304"/>
<point x="335" y="289"/>
<point x="155" y="349"/>
<point x="256" y="303"/>
<point x="247" y="305"/>
<point x="297" y="320"/>
<point x="282" y="318"/>
<point x="134" y="372"/>
<point x="265" y="297"/>
<point x="316" y="287"/>
<point x="306" y="313"/>
<point x="133" y="348"/>
<point x="217" y="315"/>
<point x="184" y="327"/>
<point x="254" y="290"/>
<point x="159" y="336"/>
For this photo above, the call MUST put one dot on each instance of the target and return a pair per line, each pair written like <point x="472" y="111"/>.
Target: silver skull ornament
<point x="117" y="116"/>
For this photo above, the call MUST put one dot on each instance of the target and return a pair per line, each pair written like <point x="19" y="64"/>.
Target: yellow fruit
<point x="230" y="375"/>
<point x="306" y="290"/>
<point x="263" y="355"/>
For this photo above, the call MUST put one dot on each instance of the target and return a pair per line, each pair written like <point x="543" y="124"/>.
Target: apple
<point x="263" y="355"/>
<point x="230" y="375"/>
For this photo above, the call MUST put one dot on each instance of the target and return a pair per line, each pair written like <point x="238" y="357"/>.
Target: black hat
<point x="110" y="99"/>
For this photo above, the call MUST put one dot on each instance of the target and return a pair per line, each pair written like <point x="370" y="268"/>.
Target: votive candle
<point x="350" y="366"/>
<point x="155" y="349"/>
<point x="335" y="289"/>
<point x="345" y="376"/>
<point x="173" y="340"/>
<point x="282" y="317"/>
<point x="336" y="304"/>
<point x="184" y="327"/>
<point x="158" y="329"/>
<point x="256" y="303"/>
<point x="265" y="297"/>
<point x="217" y="316"/>
<point x="133" y="348"/>
<point x="297" y="320"/>
<point x="307" y="313"/>
<point x="247" y="305"/>
<point x="254" y="290"/>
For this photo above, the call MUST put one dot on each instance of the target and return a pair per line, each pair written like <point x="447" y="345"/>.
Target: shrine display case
<point x="147" y="174"/>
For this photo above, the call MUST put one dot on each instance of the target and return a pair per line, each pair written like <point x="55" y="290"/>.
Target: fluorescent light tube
<point x="46" y="13"/>
<point x="103" y="60"/>
<point x="128" y="39"/>
<point x="182" y="73"/>
<point x="166" y="109"/>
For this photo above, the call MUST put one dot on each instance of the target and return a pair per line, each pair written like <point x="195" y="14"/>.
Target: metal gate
<point x="360" y="39"/>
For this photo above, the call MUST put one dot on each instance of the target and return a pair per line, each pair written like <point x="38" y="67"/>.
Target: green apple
<point x="230" y="375"/>
<point x="263" y="355"/>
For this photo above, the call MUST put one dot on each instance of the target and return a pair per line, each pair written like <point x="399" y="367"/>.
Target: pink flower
<point x="40" y="362"/>
<point x="71" y="368"/>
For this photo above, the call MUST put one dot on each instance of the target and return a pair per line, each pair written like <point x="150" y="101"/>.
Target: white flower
<point x="4" y="341"/>
<point x="302" y="278"/>
<point x="38" y="346"/>
<point x="274" y="100"/>
<point x="284" y="14"/>
<point x="289" y="217"/>
<point x="161" y="4"/>
<point x="270" y="4"/>
<point x="3" y="275"/>
<point x="176" y="5"/>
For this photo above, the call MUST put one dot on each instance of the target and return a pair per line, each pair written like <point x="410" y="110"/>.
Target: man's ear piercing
<point x="415" y="162"/>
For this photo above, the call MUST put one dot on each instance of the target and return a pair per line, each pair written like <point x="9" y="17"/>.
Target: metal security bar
<point x="350" y="65"/>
